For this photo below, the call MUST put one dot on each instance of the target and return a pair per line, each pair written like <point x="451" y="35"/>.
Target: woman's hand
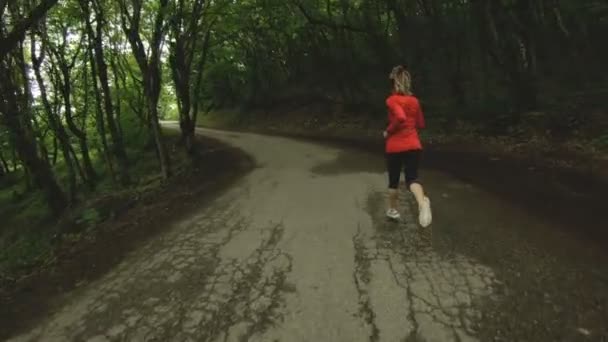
<point x="385" y="134"/>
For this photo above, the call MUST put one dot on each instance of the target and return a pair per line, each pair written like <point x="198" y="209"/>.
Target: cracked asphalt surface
<point x="299" y="250"/>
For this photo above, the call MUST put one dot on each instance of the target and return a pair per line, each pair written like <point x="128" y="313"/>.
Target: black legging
<point x="407" y="161"/>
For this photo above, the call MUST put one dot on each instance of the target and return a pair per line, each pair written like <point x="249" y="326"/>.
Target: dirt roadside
<point x="25" y="302"/>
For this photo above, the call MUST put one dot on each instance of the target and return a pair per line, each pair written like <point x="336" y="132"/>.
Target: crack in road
<point x="181" y="289"/>
<point x="361" y="278"/>
<point x="437" y="294"/>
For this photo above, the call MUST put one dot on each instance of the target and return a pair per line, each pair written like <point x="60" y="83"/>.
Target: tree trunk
<point x="456" y="77"/>
<point x="28" y="182"/>
<point x="66" y="90"/>
<point x="153" y="82"/>
<point x="198" y="84"/>
<point x="150" y="70"/>
<point x="185" y="25"/>
<point x="62" y="138"/>
<point x="525" y="91"/>
<point x="4" y="164"/>
<point x="99" y="120"/>
<point x="138" y="107"/>
<point x="96" y="38"/>
<point x="55" y="122"/>
<point x="117" y="141"/>
<point x="77" y="165"/>
<point x="55" y="151"/>
<point x="163" y="156"/>
<point x="181" y="79"/>
<point x="14" y="158"/>
<point x="118" y="97"/>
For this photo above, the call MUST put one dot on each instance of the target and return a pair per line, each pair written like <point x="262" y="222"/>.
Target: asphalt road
<point x="299" y="250"/>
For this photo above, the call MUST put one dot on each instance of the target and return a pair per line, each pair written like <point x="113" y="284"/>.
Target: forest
<point x="85" y="84"/>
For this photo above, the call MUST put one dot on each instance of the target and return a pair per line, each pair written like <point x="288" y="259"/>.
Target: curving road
<point x="299" y="250"/>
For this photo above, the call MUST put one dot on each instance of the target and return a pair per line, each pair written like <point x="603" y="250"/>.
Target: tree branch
<point x="318" y="21"/>
<point x="3" y="4"/>
<point x="8" y="43"/>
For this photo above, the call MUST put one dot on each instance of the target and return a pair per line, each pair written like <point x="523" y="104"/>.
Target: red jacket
<point x="404" y="117"/>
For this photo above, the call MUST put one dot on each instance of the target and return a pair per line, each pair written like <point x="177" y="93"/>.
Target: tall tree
<point x="186" y="27"/>
<point x="104" y="149"/>
<point x="96" y="42"/>
<point x="52" y="115"/>
<point x="149" y="64"/>
<point x="62" y="65"/>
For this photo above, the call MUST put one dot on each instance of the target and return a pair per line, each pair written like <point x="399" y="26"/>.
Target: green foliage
<point x="29" y="248"/>
<point x="89" y="217"/>
<point x="601" y="142"/>
<point x="168" y="106"/>
<point x="225" y="83"/>
<point x="22" y="243"/>
<point x="342" y="51"/>
<point x="221" y="119"/>
<point x="136" y="135"/>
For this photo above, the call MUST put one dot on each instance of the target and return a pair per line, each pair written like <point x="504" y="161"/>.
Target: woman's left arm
<point x="397" y="117"/>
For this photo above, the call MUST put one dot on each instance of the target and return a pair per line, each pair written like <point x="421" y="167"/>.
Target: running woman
<point x="403" y="146"/>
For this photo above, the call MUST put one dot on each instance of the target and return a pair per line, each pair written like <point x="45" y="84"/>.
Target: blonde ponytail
<point x="402" y="81"/>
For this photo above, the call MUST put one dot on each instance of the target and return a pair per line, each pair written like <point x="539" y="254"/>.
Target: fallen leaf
<point x="584" y="331"/>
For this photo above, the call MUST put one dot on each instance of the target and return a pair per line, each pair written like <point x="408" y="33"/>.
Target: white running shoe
<point x="425" y="217"/>
<point x="393" y="214"/>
